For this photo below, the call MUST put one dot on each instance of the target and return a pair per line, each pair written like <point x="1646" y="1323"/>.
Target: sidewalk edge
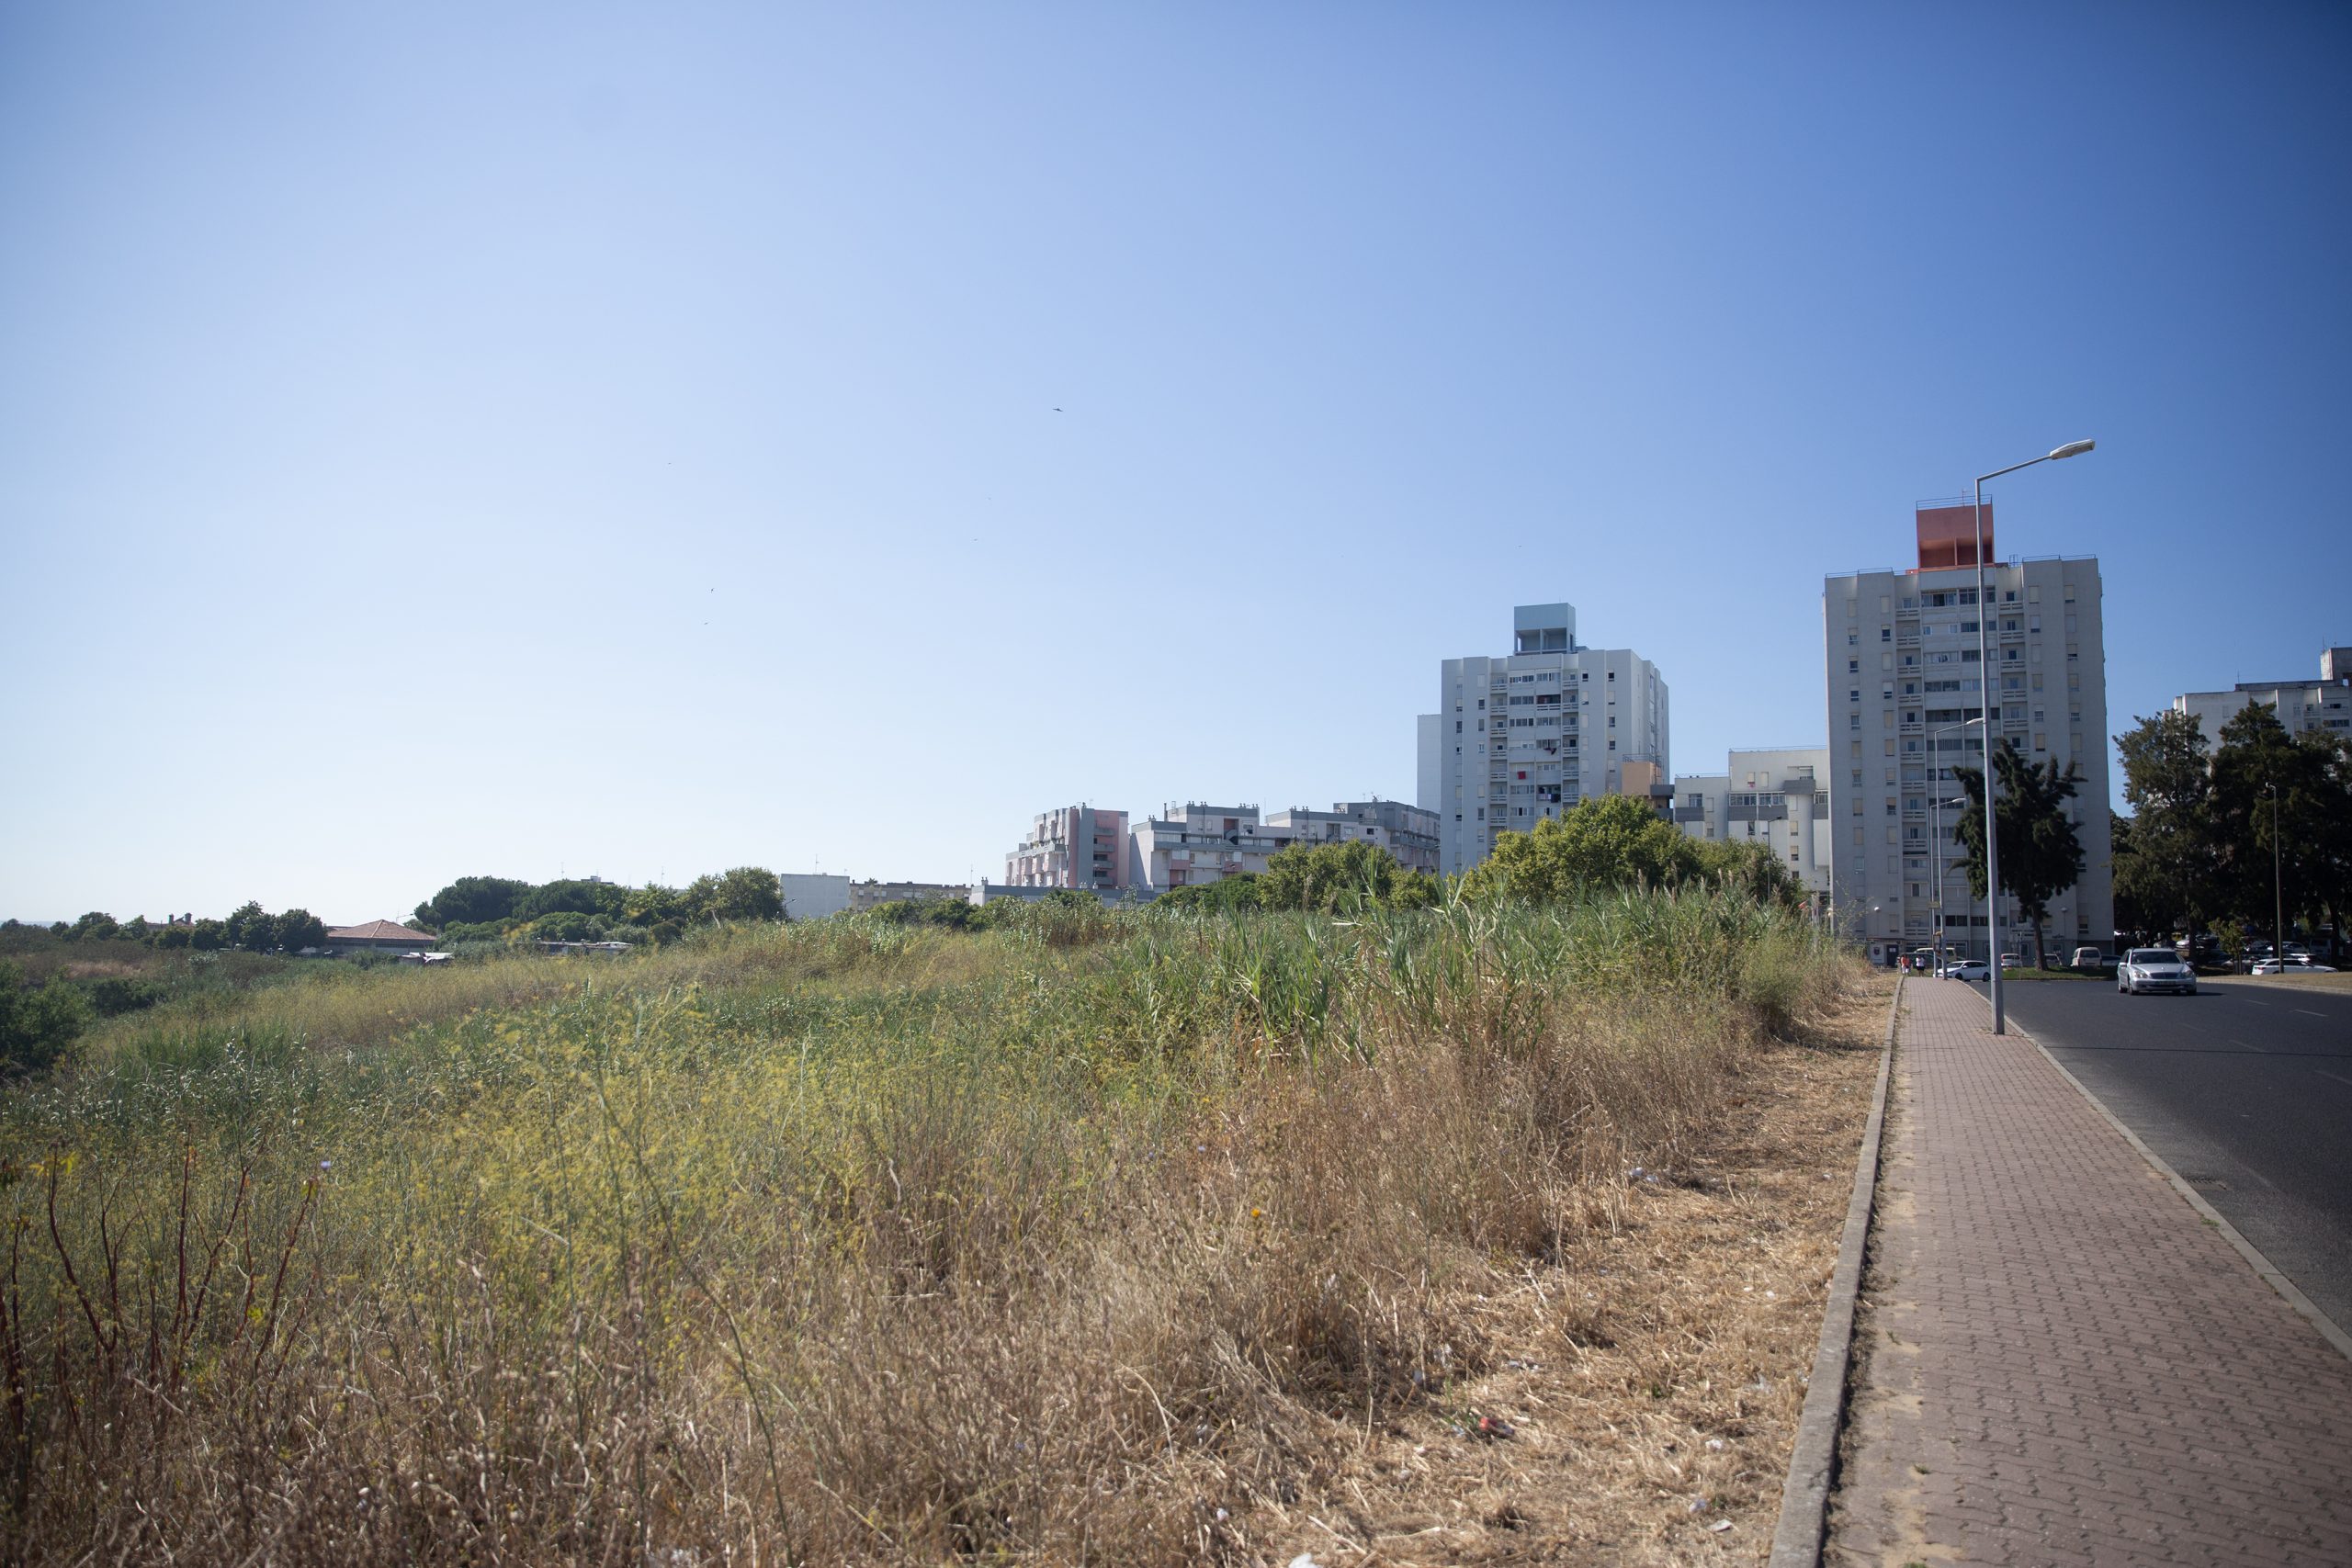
<point x="1804" y="1496"/>
<point x="2328" y="1330"/>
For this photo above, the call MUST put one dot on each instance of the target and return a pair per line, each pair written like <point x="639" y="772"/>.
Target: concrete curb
<point x="1804" y="1497"/>
<point x="2328" y="1330"/>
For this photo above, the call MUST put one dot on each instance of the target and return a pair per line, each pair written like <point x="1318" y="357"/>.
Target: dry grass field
<point x="1108" y="1239"/>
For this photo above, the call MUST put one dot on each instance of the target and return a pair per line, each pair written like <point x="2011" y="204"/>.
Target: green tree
<point x="2042" y="849"/>
<point x="96" y="926"/>
<point x="652" y="905"/>
<point x="36" y="1026"/>
<point x="298" y="929"/>
<point x="2166" y="865"/>
<point x="566" y="925"/>
<point x="579" y="895"/>
<point x="1227" y="894"/>
<point x="169" y="937"/>
<point x="251" y="928"/>
<point x="746" y="893"/>
<point x="956" y="914"/>
<point x="1341" y="878"/>
<point x="2131" y="914"/>
<point x="2311" y="826"/>
<point x="208" y="936"/>
<point x="1611" y="841"/>
<point x="1749" y="867"/>
<point x="471" y="899"/>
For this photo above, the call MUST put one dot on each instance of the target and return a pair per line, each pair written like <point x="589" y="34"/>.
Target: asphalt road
<point x="2245" y="1088"/>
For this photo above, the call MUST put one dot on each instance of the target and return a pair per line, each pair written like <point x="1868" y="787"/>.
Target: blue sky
<point x="534" y="439"/>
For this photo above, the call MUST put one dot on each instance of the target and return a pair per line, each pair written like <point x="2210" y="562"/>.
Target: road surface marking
<point x="2325" y="1074"/>
<point x="2307" y="1012"/>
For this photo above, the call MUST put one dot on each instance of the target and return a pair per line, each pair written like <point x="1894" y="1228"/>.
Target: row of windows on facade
<point x="1953" y="597"/>
<point x="1538" y="721"/>
<point x="1960" y="656"/>
<point x="2010" y="624"/>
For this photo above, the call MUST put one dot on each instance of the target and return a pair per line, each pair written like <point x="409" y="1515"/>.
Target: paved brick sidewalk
<point x="2059" y="1361"/>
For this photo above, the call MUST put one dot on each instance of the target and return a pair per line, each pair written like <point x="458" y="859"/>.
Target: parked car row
<point x="2293" y="963"/>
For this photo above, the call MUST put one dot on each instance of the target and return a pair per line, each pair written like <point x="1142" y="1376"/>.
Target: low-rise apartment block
<point x="2305" y="707"/>
<point x="1525" y="735"/>
<point x="1196" y="843"/>
<point x="1072" y="846"/>
<point x="1777" y="797"/>
<point x="1406" y="832"/>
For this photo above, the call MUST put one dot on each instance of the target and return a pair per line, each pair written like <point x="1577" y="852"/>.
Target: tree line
<point x="507" y="909"/>
<point x="249" y="929"/>
<point x="1606" y="842"/>
<point x="2221" y="836"/>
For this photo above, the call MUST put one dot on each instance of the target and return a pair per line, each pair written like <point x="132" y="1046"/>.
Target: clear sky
<point x="544" y="439"/>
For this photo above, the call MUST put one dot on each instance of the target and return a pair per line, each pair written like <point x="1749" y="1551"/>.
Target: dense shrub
<point x="37" y="1025"/>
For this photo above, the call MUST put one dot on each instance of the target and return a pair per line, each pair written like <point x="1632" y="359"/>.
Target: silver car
<point x="2155" y="969"/>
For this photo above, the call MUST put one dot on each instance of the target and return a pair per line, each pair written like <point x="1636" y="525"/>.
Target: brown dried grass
<point x="1652" y="1374"/>
<point x="983" y="1323"/>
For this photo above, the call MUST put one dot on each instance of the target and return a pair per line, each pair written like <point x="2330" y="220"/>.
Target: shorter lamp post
<point x="1935" y="833"/>
<point x="2278" y="888"/>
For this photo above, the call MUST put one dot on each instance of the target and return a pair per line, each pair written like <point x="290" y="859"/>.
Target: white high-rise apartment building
<point x="1903" y="679"/>
<point x="1777" y="797"/>
<point x="1526" y="736"/>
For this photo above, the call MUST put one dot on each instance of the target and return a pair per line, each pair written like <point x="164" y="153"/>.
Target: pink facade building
<point x="1072" y="846"/>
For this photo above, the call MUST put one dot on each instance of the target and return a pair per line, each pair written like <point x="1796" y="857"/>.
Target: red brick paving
<point x="2060" y="1361"/>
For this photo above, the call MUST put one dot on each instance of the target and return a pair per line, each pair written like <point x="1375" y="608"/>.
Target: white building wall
<point x="1902" y="667"/>
<point x="1429" y="777"/>
<point x="1197" y="843"/>
<point x="1523" y="736"/>
<point x="811" y="896"/>
<point x="1778" y="796"/>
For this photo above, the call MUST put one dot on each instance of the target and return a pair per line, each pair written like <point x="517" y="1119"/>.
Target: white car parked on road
<point x="2155" y="969"/>
<point x="1967" y="969"/>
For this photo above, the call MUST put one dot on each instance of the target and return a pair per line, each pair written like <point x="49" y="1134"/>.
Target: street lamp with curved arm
<point x="1985" y="678"/>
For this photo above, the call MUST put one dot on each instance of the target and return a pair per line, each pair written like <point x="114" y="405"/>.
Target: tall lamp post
<point x="1936" y="804"/>
<point x="1986" y="677"/>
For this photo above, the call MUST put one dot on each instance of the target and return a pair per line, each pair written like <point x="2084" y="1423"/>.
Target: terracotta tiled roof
<point x="375" y="930"/>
